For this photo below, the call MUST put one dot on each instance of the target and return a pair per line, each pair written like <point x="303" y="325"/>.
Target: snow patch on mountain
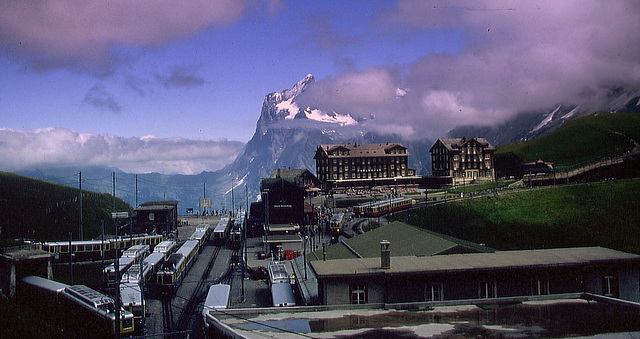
<point x="571" y="113"/>
<point x="546" y="121"/>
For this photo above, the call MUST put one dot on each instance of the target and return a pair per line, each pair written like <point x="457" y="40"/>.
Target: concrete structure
<point x="363" y="165"/>
<point x="478" y="276"/>
<point x="21" y="261"/>
<point x="463" y="160"/>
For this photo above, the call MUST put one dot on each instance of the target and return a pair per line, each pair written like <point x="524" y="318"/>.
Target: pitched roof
<point x="457" y="143"/>
<point x="405" y="240"/>
<point x="365" y="150"/>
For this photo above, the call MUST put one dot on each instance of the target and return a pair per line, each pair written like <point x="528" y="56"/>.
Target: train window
<point x="152" y="216"/>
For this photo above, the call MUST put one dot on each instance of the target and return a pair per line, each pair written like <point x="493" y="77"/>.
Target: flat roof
<point x="474" y="261"/>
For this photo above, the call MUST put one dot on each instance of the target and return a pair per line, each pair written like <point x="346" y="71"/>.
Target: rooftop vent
<point x="385" y="255"/>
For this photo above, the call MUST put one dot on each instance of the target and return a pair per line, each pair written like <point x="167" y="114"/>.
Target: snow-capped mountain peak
<point x="283" y="106"/>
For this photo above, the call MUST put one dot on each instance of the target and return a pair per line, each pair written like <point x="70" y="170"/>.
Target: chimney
<point x="385" y="255"/>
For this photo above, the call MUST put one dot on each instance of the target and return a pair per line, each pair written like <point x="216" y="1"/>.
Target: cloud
<point x="22" y="150"/>
<point x="98" y="97"/>
<point x="516" y="56"/>
<point x="82" y="33"/>
<point x="181" y="77"/>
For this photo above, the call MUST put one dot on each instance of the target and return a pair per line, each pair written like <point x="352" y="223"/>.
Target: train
<point x="235" y="234"/>
<point x="176" y="266"/>
<point x="335" y="224"/>
<point x="130" y="257"/>
<point x="381" y="207"/>
<point x="77" y="309"/>
<point x="201" y="234"/>
<point x="221" y="231"/>
<point x="166" y="248"/>
<point x="88" y="250"/>
<point x="280" y="285"/>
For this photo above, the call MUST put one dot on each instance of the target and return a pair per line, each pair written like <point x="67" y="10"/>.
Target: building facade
<point x="362" y="162"/>
<point x="478" y="276"/>
<point x="464" y="160"/>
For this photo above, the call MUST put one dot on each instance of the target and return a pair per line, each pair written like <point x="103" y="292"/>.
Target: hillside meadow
<point x="582" y="140"/>
<point x="589" y="214"/>
<point x="41" y="210"/>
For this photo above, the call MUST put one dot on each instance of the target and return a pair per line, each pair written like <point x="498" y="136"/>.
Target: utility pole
<point x="80" y="233"/>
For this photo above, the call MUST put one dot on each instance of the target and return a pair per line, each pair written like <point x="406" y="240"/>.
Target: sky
<point x="177" y="87"/>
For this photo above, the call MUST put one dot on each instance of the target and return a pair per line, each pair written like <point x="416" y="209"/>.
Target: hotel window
<point x="487" y="289"/>
<point x="358" y="293"/>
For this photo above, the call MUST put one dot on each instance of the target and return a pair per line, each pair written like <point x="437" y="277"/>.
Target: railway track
<point x="196" y="297"/>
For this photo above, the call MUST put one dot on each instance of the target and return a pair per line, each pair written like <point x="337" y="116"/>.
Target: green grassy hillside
<point x="41" y="210"/>
<point x="582" y="140"/>
<point x="597" y="214"/>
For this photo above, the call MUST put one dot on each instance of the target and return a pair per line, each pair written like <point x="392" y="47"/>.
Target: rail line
<point x="199" y="292"/>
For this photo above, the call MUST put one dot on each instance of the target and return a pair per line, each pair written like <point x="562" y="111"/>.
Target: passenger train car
<point x="221" y="231"/>
<point x="166" y="248"/>
<point x="176" y="266"/>
<point x="217" y="299"/>
<point x="335" y="224"/>
<point x="280" y="285"/>
<point x="91" y="249"/>
<point x="130" y="257"/>
<point x="235" y="235"/>
<point x="383" y="207"/>
<point x="78" y="309"/>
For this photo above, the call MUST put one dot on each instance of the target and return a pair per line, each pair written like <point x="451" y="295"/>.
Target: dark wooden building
<point x="160" y="217"/>
<point x="506" y="275"/>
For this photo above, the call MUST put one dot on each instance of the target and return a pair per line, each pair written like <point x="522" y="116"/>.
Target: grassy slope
<point x="47" y="211"/>
<point x="597" y="214"/>
<point x="581" y="140"/>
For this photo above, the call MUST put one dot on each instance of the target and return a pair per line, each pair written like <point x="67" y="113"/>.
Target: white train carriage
<point x="154" y="263"/>
<point x="166" y="248"/>
<point x="176" y="266"/>
<point x="277" y="273"/>
<point x="206" y="228"/>
<point x="132" y="300"/>
<point x="109" y="272"/>
<point x="200" y="237"/>
<point x="282" y="295"/>
<point x="95" y="249"/>
<point x="78" y="309"/>
<point x="217" y="299"/>
<point x="221" y="231"/>
<point x="137" y="252"/>
<point x="97" y="307"/>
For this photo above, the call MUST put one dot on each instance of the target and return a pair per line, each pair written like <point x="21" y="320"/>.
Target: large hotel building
<point x="463" y="159"/>
<point x="361" y="163"/>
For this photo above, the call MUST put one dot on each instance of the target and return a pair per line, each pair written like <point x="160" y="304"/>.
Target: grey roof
<point x="406" y="240"/>
<point x="559" y="257"/>
<point x="364" y="150"/>
<point x="457" y="143"/>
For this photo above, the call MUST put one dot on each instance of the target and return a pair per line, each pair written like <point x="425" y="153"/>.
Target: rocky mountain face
<point x="287" y="136"/>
